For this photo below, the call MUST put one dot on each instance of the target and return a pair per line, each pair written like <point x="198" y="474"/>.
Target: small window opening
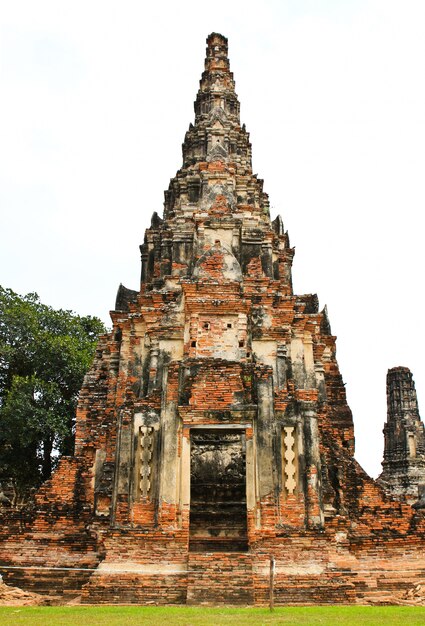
<point x="241" y="344"/>
<point x="193" y="344"/>
<point x="229" y="325"/>
<point x="206" y="325"/>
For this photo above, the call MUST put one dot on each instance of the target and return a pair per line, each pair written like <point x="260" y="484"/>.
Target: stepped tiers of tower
<point x="213" y="430"/>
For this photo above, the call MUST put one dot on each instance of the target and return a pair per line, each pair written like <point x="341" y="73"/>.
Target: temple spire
<point x="404" y="454"/>
<point x="217" y="87"/>
<point x="217" y="156"/>
<point x="217" y="50"/>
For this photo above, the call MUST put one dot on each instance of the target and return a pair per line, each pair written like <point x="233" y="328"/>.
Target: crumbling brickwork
<point x="213" y="430"/>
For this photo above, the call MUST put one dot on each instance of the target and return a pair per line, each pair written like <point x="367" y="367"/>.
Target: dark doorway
<point x="218" y="490"/>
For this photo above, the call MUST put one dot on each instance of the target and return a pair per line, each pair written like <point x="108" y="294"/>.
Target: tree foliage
<point x="44" y="354"/>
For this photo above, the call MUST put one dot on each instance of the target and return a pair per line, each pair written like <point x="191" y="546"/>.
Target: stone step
<point x="220" y="578"/>
<point x="218" y="544"/>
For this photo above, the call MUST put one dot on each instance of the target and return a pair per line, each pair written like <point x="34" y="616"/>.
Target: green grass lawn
<point x="188" y="616"/>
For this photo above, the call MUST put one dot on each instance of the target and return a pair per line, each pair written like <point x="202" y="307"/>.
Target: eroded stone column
<point x="297" y="358"/>
<point x="169" y="453"/>
<point x="314" y="508"/>
<point x="265" y="433"/>
<point x="309" y="361"/>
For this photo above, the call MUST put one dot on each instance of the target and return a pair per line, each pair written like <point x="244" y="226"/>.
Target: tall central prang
<point x="224" y="371"/>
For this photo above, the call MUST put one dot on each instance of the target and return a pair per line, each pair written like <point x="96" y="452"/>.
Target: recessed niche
<point x="218" y="517"/>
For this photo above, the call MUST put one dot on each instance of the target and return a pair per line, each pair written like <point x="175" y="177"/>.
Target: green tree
<point x="44" y="354"/>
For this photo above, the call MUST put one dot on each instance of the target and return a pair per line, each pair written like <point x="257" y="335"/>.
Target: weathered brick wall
<point x="49" y="548"/>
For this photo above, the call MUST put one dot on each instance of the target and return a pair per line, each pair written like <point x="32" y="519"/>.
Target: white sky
<point x="96" y="97"/>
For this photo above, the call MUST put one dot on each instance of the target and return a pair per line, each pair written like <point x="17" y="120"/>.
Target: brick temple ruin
<point x="213" y="431"/>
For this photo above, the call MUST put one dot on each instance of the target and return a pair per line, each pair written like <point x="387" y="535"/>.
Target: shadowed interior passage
<point x="218" y="490"/>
